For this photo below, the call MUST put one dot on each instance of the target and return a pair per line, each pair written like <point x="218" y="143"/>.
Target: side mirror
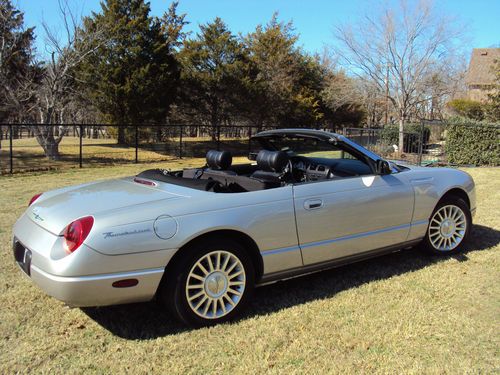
<point x="383" y="167"/>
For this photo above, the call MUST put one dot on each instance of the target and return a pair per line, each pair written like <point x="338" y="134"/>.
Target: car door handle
<point x="313" y="204"/>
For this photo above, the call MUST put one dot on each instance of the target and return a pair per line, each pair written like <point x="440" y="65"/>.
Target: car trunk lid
<point x="54" y="210"/>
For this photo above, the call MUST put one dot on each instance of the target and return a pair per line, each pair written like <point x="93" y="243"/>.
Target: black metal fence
<point x="32" y="147"/>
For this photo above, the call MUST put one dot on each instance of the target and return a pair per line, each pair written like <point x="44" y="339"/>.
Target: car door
<point x="343" y="217"/>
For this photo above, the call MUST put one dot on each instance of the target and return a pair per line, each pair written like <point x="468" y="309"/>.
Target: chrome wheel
<point x="447" y="228"/>
<point x="215" y="284"/>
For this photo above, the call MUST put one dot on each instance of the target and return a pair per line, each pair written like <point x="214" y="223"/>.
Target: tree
<point x="282" y="83"/>
<point x="340" y="97"/>
<point x="133" y="75"/>
<point x="398" y="50"/>
<point x="56" y="89"/>
<point x="492" y="107"/>
<point x="210" y="66"/>
<point x="17" y="70"/>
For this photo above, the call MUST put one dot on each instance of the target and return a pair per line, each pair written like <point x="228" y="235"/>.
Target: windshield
<point x="305" y="146"/>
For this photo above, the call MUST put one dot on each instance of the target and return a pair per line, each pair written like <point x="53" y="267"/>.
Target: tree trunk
<point x="214" y="125"/>
<point x="52" y="149"/>
<point x="121" y="135"/>
<point x="401" y="133"/>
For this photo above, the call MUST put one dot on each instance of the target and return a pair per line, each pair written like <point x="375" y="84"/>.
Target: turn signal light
<point x="76" y="232"/>
<point x="125" y="283"/>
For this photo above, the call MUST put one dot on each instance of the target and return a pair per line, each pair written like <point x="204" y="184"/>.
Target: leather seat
<point x="218" y="163"/>
<point x="271" y="167"/>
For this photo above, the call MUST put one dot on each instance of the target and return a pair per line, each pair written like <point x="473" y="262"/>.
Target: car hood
<point x="54" y="210"/>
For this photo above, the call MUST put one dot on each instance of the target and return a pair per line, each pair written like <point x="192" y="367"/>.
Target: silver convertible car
<point x="201" y="239"/>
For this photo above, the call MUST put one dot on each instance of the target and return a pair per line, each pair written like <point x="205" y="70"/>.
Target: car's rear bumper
<point x="97" y="290"/>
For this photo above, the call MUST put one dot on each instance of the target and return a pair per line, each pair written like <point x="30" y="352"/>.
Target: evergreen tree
<point x="210" y="74"/>
<point x="133" y="76"/>
<point x="283" y="83"/>
<point x="16" y="69"/>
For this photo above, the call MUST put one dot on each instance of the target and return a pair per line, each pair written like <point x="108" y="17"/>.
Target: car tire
<point x="211" y="284"/>
<point x="449" y="227"/>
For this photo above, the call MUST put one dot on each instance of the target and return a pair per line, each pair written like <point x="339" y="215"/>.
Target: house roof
<point x="480" y="70"/>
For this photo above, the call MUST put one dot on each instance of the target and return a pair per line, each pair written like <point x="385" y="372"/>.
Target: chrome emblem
<point x="36" y="216"/>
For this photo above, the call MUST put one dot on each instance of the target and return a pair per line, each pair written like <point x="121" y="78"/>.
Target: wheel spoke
<point x="199" y="294"/>
<point x="232" y="276"/>
<point x="231" y="290"/>
<point x="440" y="216"/>
<point x="217" y="264"/>
<point x="210" y="264"/>
<point x="201" y="302"/>
<point x="203" y="269"/>
<point x="231" y="302"/>
<point x="434" y="220"/>
<point x="231" y="268"/>
<point x="197" y="277"/>
<point x="441" y="240"/>
<point x="223" y="305"/>
<point x="214" y="308"/>
<point x="207" y="306"/>
<point x="226" y="261"/>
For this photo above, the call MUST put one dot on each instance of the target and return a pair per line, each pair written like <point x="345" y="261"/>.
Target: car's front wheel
<point x="211" y="284"/>
<point x="449" y="226"/>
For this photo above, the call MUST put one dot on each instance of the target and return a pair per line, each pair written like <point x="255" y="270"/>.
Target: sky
<point x="314" y="20"/>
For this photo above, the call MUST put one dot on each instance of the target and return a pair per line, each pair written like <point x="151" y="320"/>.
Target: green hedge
<point x="472" y="142"/>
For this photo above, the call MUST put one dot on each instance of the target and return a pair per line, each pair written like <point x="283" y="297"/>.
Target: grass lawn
<point x="405" y="312"/>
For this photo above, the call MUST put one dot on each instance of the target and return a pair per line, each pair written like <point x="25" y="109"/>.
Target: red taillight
<point x="35" y="197"/>
<point x="145" y="182"/>
<point x="76" y="232"/>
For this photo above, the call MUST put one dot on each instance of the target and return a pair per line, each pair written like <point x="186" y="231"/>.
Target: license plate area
<point x="22" y="256"/>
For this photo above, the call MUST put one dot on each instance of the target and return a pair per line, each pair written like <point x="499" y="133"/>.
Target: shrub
<point x="472" y="142"/>
<point x="467" y="108"/>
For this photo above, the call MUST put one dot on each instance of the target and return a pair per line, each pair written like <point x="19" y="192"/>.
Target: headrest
<point x="272" y="161"/>
<point x="219" y="159"/>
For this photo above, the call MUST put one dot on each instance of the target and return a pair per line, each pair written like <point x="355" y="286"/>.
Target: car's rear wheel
<point x="211" y="284"/>
<point x="449" y="226"/>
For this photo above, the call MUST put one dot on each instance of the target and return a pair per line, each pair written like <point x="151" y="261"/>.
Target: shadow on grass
<point x="148" y="320"/>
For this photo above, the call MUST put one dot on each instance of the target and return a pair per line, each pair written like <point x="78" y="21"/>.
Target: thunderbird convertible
<point x="201" y="239"/>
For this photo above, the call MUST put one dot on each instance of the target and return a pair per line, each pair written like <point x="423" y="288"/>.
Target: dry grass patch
<point x="405" y="312"/>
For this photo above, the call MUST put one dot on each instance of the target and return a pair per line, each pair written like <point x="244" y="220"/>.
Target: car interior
<point x="274" y="166"/>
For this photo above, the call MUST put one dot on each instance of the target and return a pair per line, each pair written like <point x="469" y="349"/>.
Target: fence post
<point x="421" y="143"/>
<point x="11" y="156"/>
<point x="180" y="141"/>
<point x="80" y="158"/>
<point x="136" y="143"/>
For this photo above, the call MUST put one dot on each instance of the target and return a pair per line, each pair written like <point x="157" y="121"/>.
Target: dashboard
<point x="313" y="169"/>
